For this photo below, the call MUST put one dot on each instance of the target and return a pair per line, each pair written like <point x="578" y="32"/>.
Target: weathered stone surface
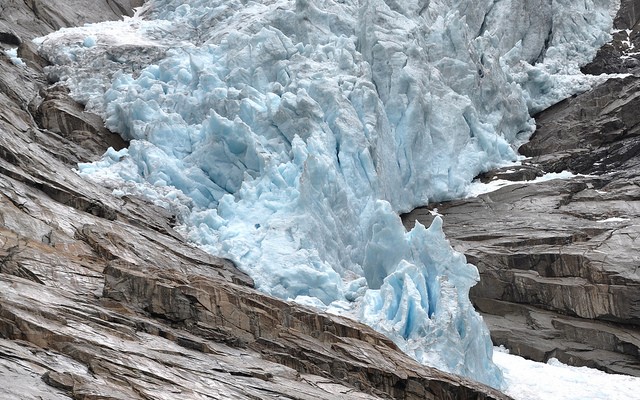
<point x="28" y="52"/>
<point x="560" y="260"/>
<point x="628" y="15"/>
<point x="592" y="125"/>
<point x="101" y="299"/>
<point x="246" y="346"/>
<point x="22" y="366"/>
<point x="61" y="115"/>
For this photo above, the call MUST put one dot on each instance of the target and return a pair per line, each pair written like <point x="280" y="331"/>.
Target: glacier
<point x="289" y="135"/>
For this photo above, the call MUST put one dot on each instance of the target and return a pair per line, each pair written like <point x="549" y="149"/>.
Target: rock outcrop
<point x="100" y="298"/>
<point x="560" y="260"/>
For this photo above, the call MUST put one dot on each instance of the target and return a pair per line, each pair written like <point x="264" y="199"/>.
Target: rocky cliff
<point x="559" y="260"/>
<point x="101" y="299"/>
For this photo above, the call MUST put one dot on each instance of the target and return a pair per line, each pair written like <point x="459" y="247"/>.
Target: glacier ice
<point x="288" y="135"/>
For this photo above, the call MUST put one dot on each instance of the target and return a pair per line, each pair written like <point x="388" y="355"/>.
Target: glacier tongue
<point x="288" y="136"/>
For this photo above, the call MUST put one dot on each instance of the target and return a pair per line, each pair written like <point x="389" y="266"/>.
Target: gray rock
<point x="28" y="52"/>
<point x="628" y="15"/>
<point x="590" y="123"/>
<point x="60" y="114"/>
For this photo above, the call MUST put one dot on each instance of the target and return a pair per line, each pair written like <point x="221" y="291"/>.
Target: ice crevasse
<point x="288" y="136"/>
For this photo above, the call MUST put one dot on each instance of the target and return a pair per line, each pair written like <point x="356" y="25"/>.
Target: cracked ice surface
<point x="288" y="135"/>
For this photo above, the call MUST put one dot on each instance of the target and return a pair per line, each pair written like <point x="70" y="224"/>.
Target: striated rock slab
<point x="601" y="120"/>
<point x="542" y="335"/>
<point x="61" y="115"/>
<point x="107" y="294"/>
<point x="100" y="298"/>
<point x="101" y="348"/>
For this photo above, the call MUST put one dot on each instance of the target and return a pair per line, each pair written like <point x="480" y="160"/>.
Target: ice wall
<point x="288" y="136"/>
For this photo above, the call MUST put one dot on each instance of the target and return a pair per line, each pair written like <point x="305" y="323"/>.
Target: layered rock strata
<point x="560" y="260"/>
<point x="101" y="299"/>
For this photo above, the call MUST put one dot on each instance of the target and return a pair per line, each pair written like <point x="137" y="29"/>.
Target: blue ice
<point x="288" y="136"/>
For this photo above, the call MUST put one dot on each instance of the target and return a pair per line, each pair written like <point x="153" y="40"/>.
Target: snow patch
<point x="476" y="188"/>
<point x="613" y="219"/>
<point x="13" y="56"/>
<point x="529" y="380"/>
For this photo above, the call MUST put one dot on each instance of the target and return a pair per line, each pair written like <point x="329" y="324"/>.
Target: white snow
<point x="476" y="188"/>
<point x="529" y="380"/>
<point x="613" y="219"/>
<point x="13" y="55"/>
<point x="288" y="135"/>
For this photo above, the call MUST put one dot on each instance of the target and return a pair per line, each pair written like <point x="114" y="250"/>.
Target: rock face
<point x="560" y="260"/>
<point x="101" y="299"/>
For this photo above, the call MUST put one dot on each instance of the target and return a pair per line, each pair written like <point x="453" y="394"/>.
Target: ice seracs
<point x="288" y="136"/>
